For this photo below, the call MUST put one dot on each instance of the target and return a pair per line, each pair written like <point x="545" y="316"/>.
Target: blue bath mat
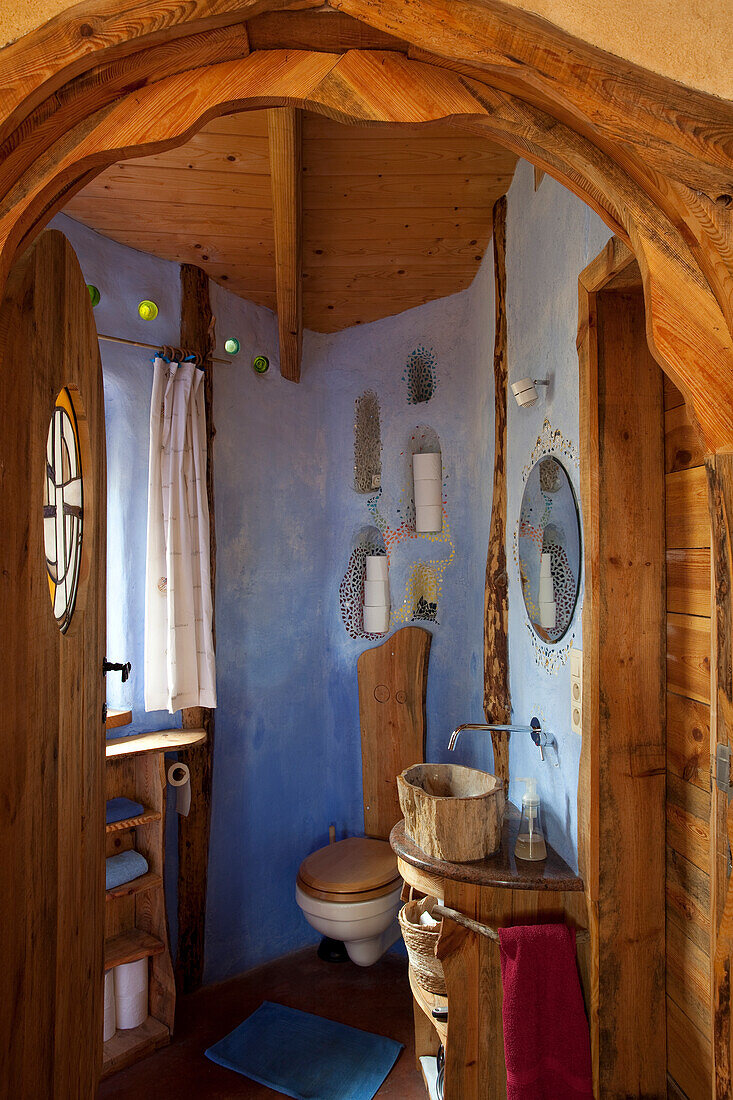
<point x="305" y="1056"/>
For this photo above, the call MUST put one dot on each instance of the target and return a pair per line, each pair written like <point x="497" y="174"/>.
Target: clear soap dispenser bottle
<point x="531" y="841"/>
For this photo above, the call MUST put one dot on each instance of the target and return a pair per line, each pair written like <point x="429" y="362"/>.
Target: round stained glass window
<point x="63" y="509"/>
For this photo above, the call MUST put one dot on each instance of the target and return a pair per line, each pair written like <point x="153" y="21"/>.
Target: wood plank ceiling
<point x="392" y="216"/>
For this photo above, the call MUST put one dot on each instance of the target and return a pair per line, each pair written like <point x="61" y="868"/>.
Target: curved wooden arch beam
<point x="684" y="133"/>
<point x="687" y="328"/>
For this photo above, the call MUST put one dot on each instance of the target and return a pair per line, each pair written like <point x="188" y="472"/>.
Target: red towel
<point x="546" y="1038"/>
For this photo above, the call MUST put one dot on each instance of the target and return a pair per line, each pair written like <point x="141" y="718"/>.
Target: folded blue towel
<point x="118" y="809"/>
<point x="124" y="868"/>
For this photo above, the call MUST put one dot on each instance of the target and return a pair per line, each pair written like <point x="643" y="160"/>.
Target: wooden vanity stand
<point x="498" y="891"/>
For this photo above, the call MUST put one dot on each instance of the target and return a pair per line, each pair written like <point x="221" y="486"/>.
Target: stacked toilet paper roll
<point x="131" y="993"/>
<point x="548" y="610"/>
<point x="376" y="594"/>
<point x="110" y="1018"/>
<point x="427" y="474"/>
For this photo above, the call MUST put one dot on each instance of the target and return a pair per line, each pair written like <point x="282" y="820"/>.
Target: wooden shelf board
<point x="127" y="947"/>
<point x="160" y="741"/>
<point x="132" y="822"/>
<point x="117" y="718"/>
<point x="144" y="882"/>
<point x="428" y="1001"/>
<point x="126" y="1047"/>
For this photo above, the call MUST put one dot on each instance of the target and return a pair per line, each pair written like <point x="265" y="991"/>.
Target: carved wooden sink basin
<point x="451" y="812"/>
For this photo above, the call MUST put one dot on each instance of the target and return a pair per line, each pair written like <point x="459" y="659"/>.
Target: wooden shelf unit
<point x="126" y="1047"/>
<point x="136" y="924"/>
<point x="145" y="818"/>
<point x="127" y="947"/>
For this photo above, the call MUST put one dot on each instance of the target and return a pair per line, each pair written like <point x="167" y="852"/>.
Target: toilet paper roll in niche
<point x="428" y="466"/>
<point x="131" y="993"/>
<point x="377" y="567"/>
<point x="180" y="778"/>
<point x="428" y="493"/>
<point x="376" y="593"/>
<point x="110" y="1017"/>
<point x="376" y="620"/>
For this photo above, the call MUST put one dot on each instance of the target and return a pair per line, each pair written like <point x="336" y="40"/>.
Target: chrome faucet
<point x="540" y="737"/>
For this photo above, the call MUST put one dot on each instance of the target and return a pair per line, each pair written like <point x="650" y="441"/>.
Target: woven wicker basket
<point x="420" y="943"/>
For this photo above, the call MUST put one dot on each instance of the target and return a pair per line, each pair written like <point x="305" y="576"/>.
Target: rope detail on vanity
<point x="581" y="934"/>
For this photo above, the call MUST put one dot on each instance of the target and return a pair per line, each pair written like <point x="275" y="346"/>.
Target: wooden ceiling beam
<point x="285" y="131"/>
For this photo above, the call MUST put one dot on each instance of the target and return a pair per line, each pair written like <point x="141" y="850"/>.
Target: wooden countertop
<point x="500" y="870"/>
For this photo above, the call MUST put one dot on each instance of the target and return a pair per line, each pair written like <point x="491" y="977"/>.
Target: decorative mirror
<point x="549" y="549"/>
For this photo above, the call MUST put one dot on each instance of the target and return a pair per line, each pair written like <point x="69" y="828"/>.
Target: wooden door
<point x="52" y="503"/>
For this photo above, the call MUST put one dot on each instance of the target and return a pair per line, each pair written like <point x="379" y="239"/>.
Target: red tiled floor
<point x="376" y="998"/>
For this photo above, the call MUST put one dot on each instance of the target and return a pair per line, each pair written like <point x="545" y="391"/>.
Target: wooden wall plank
<point x="287" y="210"/>
<point x="688" y="895"/>
<point x="688" y="582"/>
<point x="720" y="474"/>
<point x="690" y="1054"/>
<point x="688" y="975"/>
<point x="688" y="656"/>
<point x="683" y="447"/>
<point x="688" y="518"/>
<point x="193" y="831"/>
<point x="688" y="821"/>
<point x="688" y="740"/>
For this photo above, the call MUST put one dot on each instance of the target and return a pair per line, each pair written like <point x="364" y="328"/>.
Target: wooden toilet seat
<point x="355" y="869"/>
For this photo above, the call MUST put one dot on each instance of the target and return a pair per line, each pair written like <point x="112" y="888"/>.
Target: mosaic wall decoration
<point x="542" y="528"/>
<point x="420" y="375"/>
<point x="351" y="589"/>
<point x="367" y="443"/>
<point x="422" y="592"/>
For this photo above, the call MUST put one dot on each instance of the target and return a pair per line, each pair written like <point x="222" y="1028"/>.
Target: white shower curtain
<point x="179" y="648"/>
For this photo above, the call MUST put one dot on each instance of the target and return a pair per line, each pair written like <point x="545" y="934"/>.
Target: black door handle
<point x="112" y="666"/>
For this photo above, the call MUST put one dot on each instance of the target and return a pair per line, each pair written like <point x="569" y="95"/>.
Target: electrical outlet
<point x="576" y="691"/>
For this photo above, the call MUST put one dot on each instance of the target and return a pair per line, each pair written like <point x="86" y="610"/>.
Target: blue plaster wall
<point x="551" y="237"/>
<point x="288" y="757"/>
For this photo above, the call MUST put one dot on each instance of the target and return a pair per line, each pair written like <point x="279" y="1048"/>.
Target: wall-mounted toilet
<point x="350" y="890"/>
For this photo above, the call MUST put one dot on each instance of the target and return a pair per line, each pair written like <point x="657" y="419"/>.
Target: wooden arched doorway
<point x="656" y="162"/>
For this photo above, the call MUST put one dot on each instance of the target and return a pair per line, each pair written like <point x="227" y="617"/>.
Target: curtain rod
<point x="150" y="347"/>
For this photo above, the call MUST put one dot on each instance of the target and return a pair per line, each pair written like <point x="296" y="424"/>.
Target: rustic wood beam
<point x="497" y="697"/>
<point x="197" y="325"/>
<point x="285" y="133"/>
<point x="720" y="485"/>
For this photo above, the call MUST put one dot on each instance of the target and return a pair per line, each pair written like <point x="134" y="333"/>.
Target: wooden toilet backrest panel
<point x="393" y="681"/>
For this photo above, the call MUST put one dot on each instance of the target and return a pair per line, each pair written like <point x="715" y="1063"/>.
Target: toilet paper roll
<point x="131" y="993"/>
<point x="110" y="1017"/>
<point x="377" y="567"/>
<point x="428" y="493"/>
<point x="376" y="620"/>
<point x="428" y="520"/>
<point x="427" y="467"/>
<point x="180" y="778"/>
<point x="376" y="593"/>
<point x="131" y="1011"/>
